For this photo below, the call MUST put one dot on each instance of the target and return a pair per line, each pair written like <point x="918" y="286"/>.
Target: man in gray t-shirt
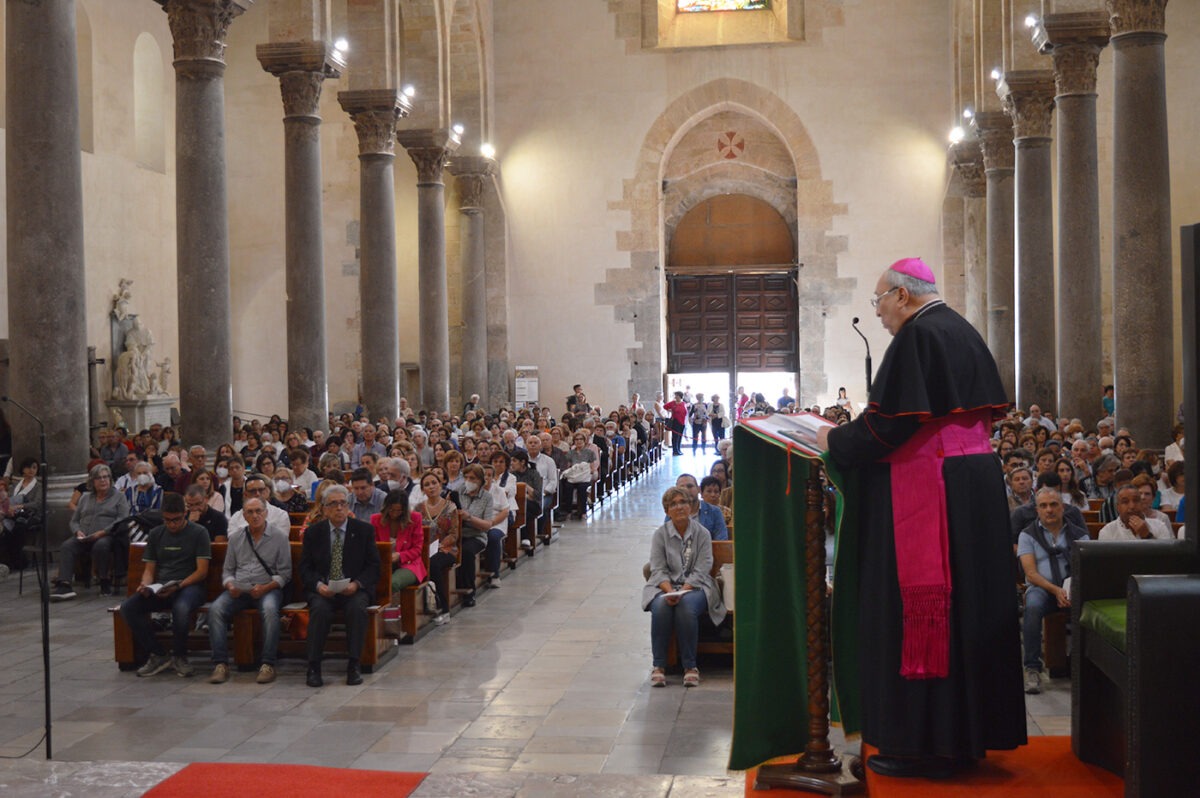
<point x="173" y="579"/>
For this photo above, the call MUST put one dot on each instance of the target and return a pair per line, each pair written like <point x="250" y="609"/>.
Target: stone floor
<point x="545" y="677"/>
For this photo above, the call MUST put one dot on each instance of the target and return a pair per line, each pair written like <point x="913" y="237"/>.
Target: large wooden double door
<point x="733" y="322"/>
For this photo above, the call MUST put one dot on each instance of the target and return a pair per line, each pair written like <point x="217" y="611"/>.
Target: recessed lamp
<point x="487" y="150"/>
<point x="341" y="45"/>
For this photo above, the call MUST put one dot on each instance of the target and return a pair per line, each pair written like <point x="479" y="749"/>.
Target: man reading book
<point x="176" y="563"/>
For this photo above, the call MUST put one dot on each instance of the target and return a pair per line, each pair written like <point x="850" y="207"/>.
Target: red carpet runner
<point x="1045" y="768"/>
<point x="221" y="778"/>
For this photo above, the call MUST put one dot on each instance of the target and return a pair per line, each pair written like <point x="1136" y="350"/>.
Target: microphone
<point x="854" y="324"/>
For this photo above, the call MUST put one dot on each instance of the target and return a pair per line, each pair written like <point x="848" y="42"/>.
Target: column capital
<point x="471" y="171"/>
<point x="199" y="27"/>
<point x="1073" y="41"/>
<point x="429" y="150"/>
<point x="301" y="68"/>
<point x="1028" y="97"/>
<point x="966" y="158"/>
<point x="995" y="132"/>
<point x="1137" y="16"/>
<point x="375" y="113"/>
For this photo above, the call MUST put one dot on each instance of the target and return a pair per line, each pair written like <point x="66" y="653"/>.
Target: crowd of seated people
<point x="420" y="479"/>
<point x="1066" y="483"/>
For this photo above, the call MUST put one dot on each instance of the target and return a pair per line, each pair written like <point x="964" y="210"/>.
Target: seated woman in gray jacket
<point x="681" y="587"/>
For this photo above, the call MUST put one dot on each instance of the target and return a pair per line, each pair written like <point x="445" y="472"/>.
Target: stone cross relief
<point x="137" y="374"/>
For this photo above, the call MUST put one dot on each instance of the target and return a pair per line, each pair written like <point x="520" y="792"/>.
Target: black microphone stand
<point x="854" y="324"/>
<point x="43" y="573"/>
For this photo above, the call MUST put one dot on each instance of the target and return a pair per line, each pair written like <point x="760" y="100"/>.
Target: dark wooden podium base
<point x="849" y="780"/>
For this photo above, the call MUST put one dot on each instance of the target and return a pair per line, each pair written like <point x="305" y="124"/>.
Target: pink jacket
<point x="409" y="543"/>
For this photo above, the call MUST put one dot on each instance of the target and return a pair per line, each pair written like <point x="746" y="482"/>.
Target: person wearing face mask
<point x="478" y="518"/>
<point x="288" y="496"/>
<point x="143" y="494"/>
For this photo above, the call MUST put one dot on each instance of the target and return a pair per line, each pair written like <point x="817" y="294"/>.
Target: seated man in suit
<point x="338" y="548"/>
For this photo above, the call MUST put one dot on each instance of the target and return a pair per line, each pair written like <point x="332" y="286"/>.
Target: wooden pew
<point x="512" y="536"/>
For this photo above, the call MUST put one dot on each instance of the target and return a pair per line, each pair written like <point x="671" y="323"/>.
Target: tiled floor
<point x="545" y="677"/>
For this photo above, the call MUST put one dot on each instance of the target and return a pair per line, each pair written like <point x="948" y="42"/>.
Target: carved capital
<point x="1073" y="41"/>
<point x="1075" y="69"/>
<point x="995" y="132"/>
<point x="199" y="27"/>
<point x="1028" y="97"/>
<point x="966" y="157"/>
<point x="376" y="132"/>
<point x="301" y="93"/>
<point x="470" y="193"/>
<point x="1137" y="16"/>
<point x="430" y="161"/>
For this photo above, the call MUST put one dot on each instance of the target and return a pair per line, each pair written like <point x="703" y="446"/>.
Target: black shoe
<point x="62" y="592"/>
<point x="353" y="674"/>
<point x="469" y="601"/>
<point x="920" y="767"/>
<point x="106" y="587"/>
<point x="314" y="676"/>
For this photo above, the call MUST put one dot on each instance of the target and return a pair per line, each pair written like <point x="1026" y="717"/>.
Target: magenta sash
<point x="922" y="535"/>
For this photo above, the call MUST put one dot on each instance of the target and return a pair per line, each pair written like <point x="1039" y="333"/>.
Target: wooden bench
<point x="512" y="538"/>
<point x="247" y="630"/>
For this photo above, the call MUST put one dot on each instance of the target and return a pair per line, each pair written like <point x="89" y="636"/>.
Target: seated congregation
<point x="311" y="543"/>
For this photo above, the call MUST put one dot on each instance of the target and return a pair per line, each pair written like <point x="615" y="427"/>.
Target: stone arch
<point x="468" y="76"/>
<point x="149" y="104"/>
<point x="424" y="31"/>
<point x="83" y="55"/>
<point x="637" y="292"/>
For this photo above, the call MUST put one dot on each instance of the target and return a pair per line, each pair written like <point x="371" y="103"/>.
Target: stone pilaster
<point x="995" y="132"/>
<point x="1028" y="97"/>
<point x="966" y="158"/>
<point x="198" y="29"/>
<point x="375" y="113"/>
<point x="429" y="150"/>
<point x="1074" y="42"/>
<point x="1143" y="336"/>
<point x="47" y="303"/>
<point x="302" y="68"/>
<point x="474" y="173"/>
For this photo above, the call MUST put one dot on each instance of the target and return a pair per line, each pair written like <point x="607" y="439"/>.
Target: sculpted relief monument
<point x="140" y="385"/>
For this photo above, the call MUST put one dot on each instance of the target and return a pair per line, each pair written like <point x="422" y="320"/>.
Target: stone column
<point x="473" y="173"/>
<point x="1074" y="42"/>
<point x="995" y="132"/>
<point x="47" y="303"/>
<point x="429" y="150"/>
<point x="302" y="68"/>
<point x="967" y="160"/>
<point x="1143" y="336"/>
<point x="1029" y="99"/>
<point x="375" y="112"/>
<point x="198" y="28"/>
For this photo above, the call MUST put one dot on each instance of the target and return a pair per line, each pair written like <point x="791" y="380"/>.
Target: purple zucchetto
<point x="914" y="267"/>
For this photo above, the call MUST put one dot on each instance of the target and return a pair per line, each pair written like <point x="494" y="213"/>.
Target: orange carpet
<point x="221" y="778"/>
<point x="1045" y="768"/>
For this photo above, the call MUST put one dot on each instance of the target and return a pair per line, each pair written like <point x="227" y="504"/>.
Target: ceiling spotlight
<point x="996" y="73"/>
<point x="487" y="150"/>
<point x="341" y="45"/>
<point x="410" y="91"/>
<point x="957" y="134"/>
<point x="458" y="129"/>
<point x="1031" y="21"/>
<point x="968" y="113"/>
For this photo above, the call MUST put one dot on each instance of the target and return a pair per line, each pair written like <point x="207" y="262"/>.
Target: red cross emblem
<point x="730" y="145"/>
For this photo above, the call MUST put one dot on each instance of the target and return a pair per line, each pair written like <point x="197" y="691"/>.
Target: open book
<point x="158" y="587"/>
<point x="798" y="428"/>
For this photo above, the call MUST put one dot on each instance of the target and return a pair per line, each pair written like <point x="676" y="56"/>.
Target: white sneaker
<point x="1033" y="682"/>
<point x="3" y="571"/>
<point x="442" y="619"/>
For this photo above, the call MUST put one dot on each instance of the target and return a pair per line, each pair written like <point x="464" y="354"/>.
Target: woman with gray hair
<point x="681" y="588"/>
<point x="99" y="508"/>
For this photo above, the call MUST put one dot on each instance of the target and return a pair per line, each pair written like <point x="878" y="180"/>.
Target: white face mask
<point x="471" y="485"/>
<point x="222" y="472"/>
<point x="282" y="487"/>
<point x="144" y="479"/>
<point x="392" y="484"/>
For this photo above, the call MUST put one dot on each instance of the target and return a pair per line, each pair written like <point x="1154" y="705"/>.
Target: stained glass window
<point x="721" y="5"/>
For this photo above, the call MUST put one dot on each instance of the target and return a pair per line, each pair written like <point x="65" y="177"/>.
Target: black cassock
<point x="936" y="365"/>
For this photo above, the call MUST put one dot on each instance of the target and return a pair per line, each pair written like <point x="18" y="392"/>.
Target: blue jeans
<point x="182" y="603"/>
<point x="221" y="613"/>
<point x="1038" y="604"/>
<point x="683" y="619"/>
<point x="495" y="549"/>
